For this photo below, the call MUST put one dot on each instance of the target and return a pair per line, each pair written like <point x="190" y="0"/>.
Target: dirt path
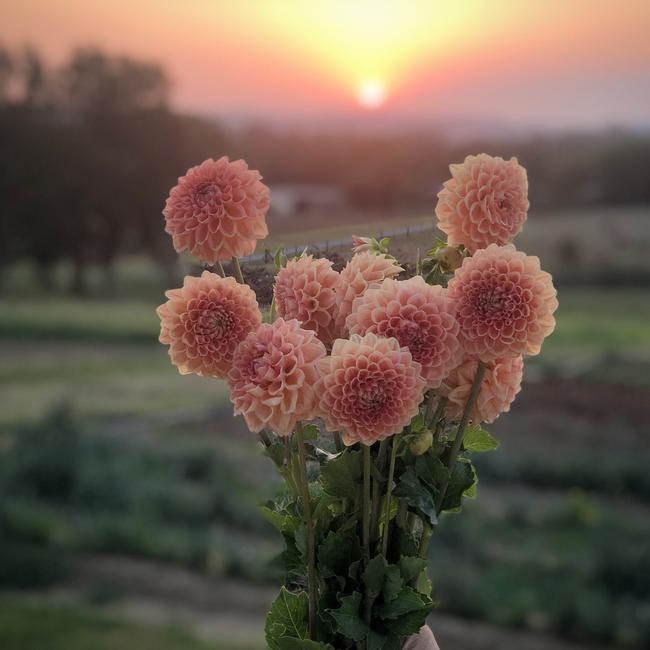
<point x="224" y="610"/>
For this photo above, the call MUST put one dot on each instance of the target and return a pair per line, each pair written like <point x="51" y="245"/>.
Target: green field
<point x="26" y="626"/>
<point x="105" y="448"/>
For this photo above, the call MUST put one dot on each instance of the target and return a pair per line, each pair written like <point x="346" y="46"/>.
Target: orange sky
<point x="546" y="63"/>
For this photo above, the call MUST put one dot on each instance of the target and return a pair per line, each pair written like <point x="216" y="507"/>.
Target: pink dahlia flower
<point x="369" y="389"/>
<point x="273" y="375"/>
<point x="217" y="210"/>
<point x="485" y="202"/>
<point x="204" y="321"/>
<point x="305" y="290"/>
<point x="362" y="271"/>
<point x="501" y="383"/>
<point x="420" y="316"/>
<point x="505" y="303"/>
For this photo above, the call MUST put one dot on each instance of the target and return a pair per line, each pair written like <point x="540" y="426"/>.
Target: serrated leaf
<point x="417" y="494"/>
<point x="341" y="475"/>
<point x="408" y="600"/>
<point x="287" y="618"/>
<point x="410" y="567"/>
<point x="478" y="439"/>
<point x="393" y="583"/>
<point x="348" y="619"/>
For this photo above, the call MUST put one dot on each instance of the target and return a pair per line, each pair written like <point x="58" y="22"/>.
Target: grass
<point x="26" y="626"/>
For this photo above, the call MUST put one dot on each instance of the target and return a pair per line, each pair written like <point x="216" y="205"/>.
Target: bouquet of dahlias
<point x="368" y="391"/>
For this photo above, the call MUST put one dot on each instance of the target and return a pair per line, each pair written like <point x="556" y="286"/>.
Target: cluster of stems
<point x="373" y="484"/>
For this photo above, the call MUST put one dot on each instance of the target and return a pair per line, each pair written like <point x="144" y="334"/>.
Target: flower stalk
<point x="239" y="276"/>
<point x="460" y="433"/>
<point x="309" y="527"/>
<point x="389" y="495"/>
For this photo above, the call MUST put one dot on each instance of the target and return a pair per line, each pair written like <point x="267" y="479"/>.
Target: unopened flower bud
<point x="422" y="443"/>
<point x="360" y="244"/>
<point x="450" y="258"/>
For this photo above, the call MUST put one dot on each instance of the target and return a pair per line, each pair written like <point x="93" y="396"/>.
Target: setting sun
<point x="371" y="93"/>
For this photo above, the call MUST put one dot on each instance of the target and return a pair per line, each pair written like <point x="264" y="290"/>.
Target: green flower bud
<point x="421" y="443"/>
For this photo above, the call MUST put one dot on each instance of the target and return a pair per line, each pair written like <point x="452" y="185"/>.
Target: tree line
<point x="89" y="150"/>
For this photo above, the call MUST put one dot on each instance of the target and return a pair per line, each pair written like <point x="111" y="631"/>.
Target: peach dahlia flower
<point x="304" y="289"/>
<point x="485" y="202"/>
<point x="420" y="316"/>
<point x="369" y="389"/>
<point x="217" y="210"/>
<point x="273" y="375"/>
<point x="362" y="271"/>
<point x="501" y="383"/>
<point x="205" y="320"/>
<point x="505" y="303"/>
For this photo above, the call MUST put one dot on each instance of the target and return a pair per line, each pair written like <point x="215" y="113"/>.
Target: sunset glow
<point x="371" y="94"/>
<point x="534" y="62"/>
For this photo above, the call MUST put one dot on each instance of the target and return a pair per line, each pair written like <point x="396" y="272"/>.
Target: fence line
<point x="343" y="242"/>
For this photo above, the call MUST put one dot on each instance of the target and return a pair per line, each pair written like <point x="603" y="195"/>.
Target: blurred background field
<point x="128" y="494"/>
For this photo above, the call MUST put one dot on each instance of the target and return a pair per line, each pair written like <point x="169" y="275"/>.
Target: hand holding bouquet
<point x="368" y="392"/>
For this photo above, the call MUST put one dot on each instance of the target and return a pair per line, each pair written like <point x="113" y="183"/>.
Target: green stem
<point x="460" y="433"/>
<point x="264" y="437"/>
<point x="338" y="442"/>
<point x="272" y="310"/>
<point x="366" y="498"/>
<point x="376" y="492"/>
<point x="389" y="494"/>
<point x="309" y="526"/>
<point x="237" y="271"/>
<point x="366" y="521"/>
<point x="220" y="269"/>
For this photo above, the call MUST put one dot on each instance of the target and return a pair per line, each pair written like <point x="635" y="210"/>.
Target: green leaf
<point x="277" y="452"/>
<point x="423" y="584"/>
<point x="373" y="577"/>
<point x="284" y="521"/>
<point x="409" y="623"/>
<point x="462" y="478"/>
<point x="408" y="600"/>
<point x="289" y="643"/>
<point x="310" y="431"/>
<point x="393" y="583"/>
<point x="287" y="618"/>
<point x="411" y="567"/>
<point x="375" y="641"/>
<point x="417" y="423"/>
<point x="339" y="550"/>
<point x="341" y="476"/>
<point x="347" y="617"/>
<point x="478" y="439"/>
<point x="431" y="470"/>
<point x="416" y="494"/>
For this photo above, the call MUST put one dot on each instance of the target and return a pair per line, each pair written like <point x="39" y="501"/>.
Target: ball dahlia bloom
<point x="362" y="271"/>
<point x="500" y="385"/>
<point x="218" y="210"/>
<point x="420" y="316"/>
<point x="485" y="202"/>
<point x="370" y="388"/>
<point x="205" y="320"/>
<point x="305" y="290"/>
<point x="505" y="303"/>
<point x="273" y="375"/>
